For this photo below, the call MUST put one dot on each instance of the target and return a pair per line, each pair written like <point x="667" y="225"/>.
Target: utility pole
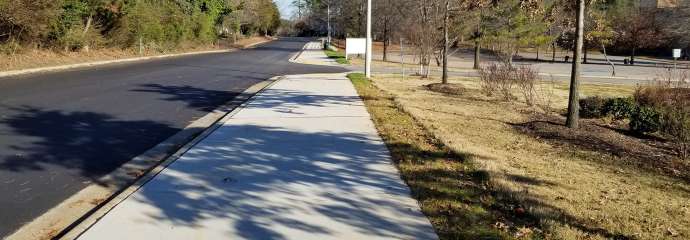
<point x="574" y="99"/>
<point x="329" y="23"/>
<point x="444" y="78"/>
<point x="402" y="58"/>
<point x="367" y="64"/>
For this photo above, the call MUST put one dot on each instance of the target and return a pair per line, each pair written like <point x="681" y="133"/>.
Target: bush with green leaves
<point x="158" y="24"/>
<point x="645" y="120"/>
<point x="620" y="108"/>
<point x="592" y="107"/>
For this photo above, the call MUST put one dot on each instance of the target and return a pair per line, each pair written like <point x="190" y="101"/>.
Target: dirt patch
<point x="243" y="43"/>
<point x="446" y="88"/>
<point x="648" y="153"/>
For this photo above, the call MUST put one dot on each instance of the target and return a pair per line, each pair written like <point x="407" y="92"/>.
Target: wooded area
<point x="505" y="26"/>
<point x="80" y="25"/>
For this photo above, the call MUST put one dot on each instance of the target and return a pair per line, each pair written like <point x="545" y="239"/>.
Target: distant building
<point x="663" y="3"/>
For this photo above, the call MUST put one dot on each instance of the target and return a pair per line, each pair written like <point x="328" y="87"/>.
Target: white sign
<point x="355" y="46"/>
<point x="676" y="53"/>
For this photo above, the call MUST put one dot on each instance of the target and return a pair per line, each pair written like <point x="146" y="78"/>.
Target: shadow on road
<point x="197" y="98"/>
<point x="92" y="143"/>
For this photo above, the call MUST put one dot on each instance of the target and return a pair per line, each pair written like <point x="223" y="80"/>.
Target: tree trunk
<point x="613" y="66"/>
<point x="632" y="56"/>
<point x="89" y="20"/>
<point x="477" y="52"/>
<point x="385" y="40"/>
<point x="385" y="50"/>
<point x="553" y="53"/>
<point x="537" y="58"/>
<point x="574" y="98"/>
<point x="444" y="78"/>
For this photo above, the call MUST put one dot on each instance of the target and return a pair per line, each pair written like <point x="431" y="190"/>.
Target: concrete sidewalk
<point x="302" y="160"/>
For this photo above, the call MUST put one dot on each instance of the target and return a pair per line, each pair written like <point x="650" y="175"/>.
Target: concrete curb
<point x="76" y="214"/>
<point x="125" y="60"/>
<point x="294" y="58"/>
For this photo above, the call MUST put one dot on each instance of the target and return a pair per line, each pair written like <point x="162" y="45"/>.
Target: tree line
<point x="435" y="27"/>
<point x="75" y="25"/>
<point x="504" y="26"/>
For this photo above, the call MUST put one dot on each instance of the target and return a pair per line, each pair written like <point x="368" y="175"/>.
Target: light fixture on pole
<point x="367" y="64"/>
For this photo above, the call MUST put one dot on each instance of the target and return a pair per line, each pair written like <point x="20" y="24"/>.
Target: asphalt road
<point x="59" y="132"/>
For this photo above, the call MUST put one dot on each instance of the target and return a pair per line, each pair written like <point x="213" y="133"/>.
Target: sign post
<point x="367" y="57"/>
<point x="355" y="46"/>
<point x="676" y="54"/>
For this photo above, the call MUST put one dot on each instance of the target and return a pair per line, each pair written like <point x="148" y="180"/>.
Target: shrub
<point x="669" y="97"/>
<point x="526" y="77"/>
<point x="501" y="78"/>
<point x="592" y="107"/>
<point x="620" y="108"/>
<point x="490" y="76"/>
<point x="645" y="120"/>
<point x="545" y="96"/>
<point x="675" y="123"/>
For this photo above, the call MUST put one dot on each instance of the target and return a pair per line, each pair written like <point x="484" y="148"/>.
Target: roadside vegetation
<point x="35" y="29"/>
<point x="338" y="56"/>
<point x="528" y="175"/>
<point x="453" y="194"/>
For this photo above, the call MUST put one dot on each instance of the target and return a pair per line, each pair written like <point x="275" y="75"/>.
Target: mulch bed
<point x="644" y="152"/>
<point x="447" y="88"/>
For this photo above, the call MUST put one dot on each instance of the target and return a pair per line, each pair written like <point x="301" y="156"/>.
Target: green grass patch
<point x="451" y="191"/>
<point x="338" y="56"/>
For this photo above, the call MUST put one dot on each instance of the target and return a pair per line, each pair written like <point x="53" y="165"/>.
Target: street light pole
<point x="329" y="23"/>
<point x="367" y="64"/>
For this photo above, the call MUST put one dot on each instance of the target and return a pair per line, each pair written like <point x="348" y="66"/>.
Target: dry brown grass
<point x="451" y="192"/>
<point x="575" y="192"/>
<point x="36" y="58"/>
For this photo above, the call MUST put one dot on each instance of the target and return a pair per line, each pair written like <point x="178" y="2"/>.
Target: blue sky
<point x="286" y="9"/>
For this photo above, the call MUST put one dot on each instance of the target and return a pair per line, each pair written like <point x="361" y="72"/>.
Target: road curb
<point x="76" y="214"/>
<point x="294" y="58"/>
<point x="125" y="60"/>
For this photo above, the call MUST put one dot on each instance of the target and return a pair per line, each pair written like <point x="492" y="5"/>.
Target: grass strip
<point x="338" y="56"/>
<point x="452" y="193"/>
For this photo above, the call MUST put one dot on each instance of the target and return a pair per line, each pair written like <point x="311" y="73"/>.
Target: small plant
<point x="545" y="96"/>
<point x="489" y="77"/>
<point x="645" y="120"/>
<point x="620" y="108"/>
<point x="675" y="122"/>
<point x="526" y="77"/>
<point x="592" y="107"/>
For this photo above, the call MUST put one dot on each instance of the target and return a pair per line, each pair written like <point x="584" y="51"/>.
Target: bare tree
<point x="637" y="29"/>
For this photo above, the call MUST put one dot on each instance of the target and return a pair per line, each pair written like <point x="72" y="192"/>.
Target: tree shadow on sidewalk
<point x="262" y="179"/>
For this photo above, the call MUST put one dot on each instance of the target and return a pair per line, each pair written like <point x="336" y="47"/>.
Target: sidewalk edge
<point x="228" y="111"/>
